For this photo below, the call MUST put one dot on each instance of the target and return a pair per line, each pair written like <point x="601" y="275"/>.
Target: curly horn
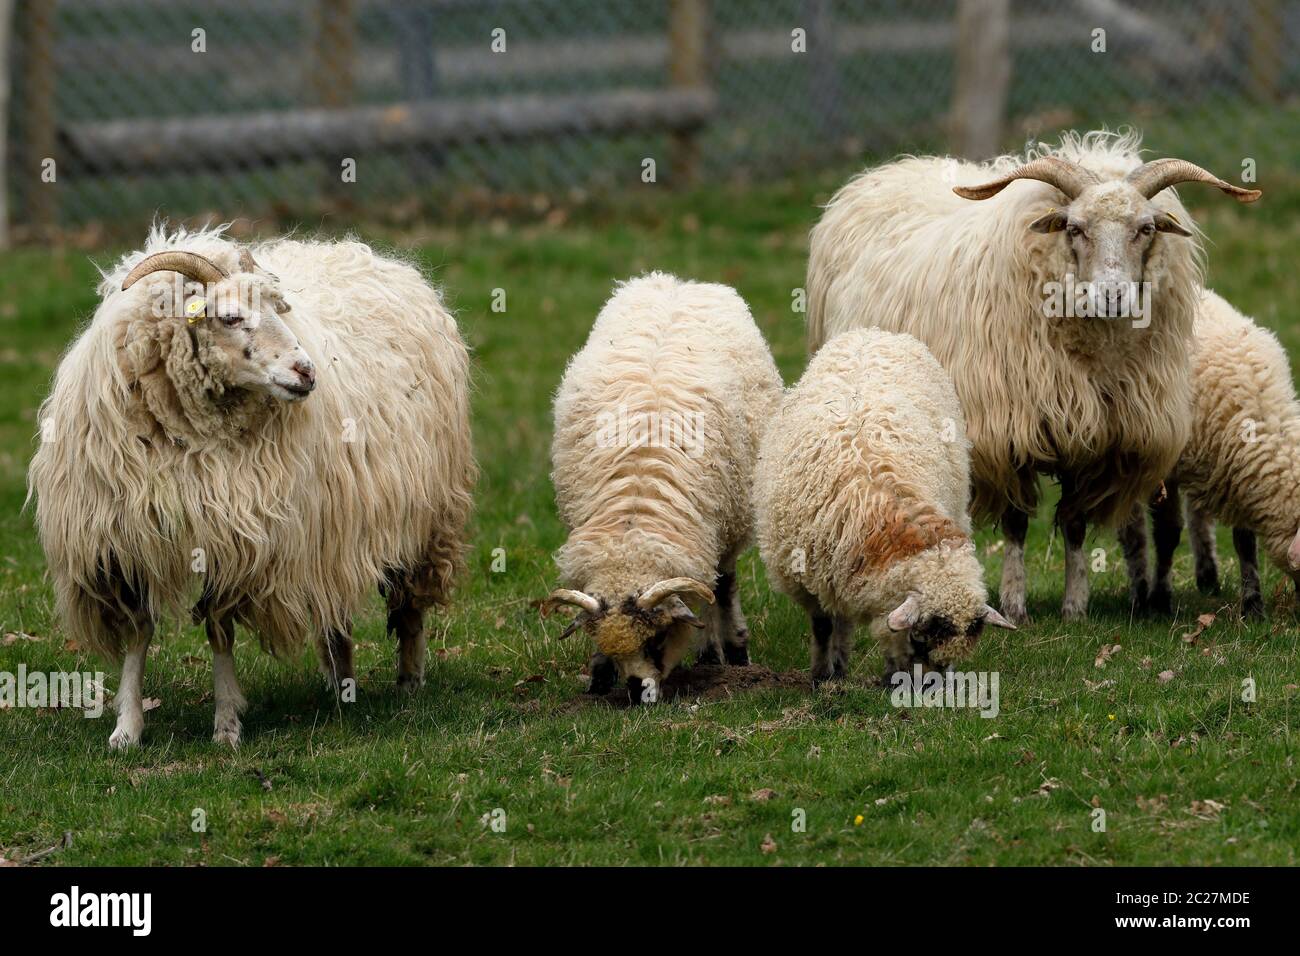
<point x="1160" y="174"/>
<point x="566" y="596"/>
<point x="657" y="593"/>
<point x="189" y="264"/>
<point x="1070" y="178"/>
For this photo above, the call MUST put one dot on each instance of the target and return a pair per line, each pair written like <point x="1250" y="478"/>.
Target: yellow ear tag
<point x="194" y="310"/>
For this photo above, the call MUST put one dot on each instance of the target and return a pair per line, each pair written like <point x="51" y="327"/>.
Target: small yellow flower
<point x="857" y="821"/>
<point x="1110" y="716"/>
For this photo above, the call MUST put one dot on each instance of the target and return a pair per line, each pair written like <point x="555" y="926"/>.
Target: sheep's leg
<point x="1015" y="528"/>
<point x="733" y="629"/>
<point x="230" y="699"/>
<point x="407" y="622"/>
<point x="1252" y="601"/>
<point x="822" y="647"/>
<point x="130" y="692"/>
<point x="1133" y="540"/>
<point x="335" y="651"/>
<point x="1074" y="528"/>
<point x="842" y="645"/>
<point x="1205" y="550"/>
<point x="1167" y="523"/>
<point x="603" y="673"/>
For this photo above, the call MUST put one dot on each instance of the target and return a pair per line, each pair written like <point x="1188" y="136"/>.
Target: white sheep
<point x="206" y="445"/>
<point x="861" y="490"/>
<point x="1241" y="464"/>
<point x="1001" y="292"/>
<point x="657" y="422"/>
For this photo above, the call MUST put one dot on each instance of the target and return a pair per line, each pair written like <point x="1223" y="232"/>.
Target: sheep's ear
<point x="905" y="615"/>
<point x="991" y="616"/>
<point x="1168" y="222"/>
<point x="1053" y="221"/>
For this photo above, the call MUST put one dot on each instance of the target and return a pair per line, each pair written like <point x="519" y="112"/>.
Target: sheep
<point x="861" y="492"/>
<point x="204" y="445"/>
<point x="991" y="288"/>
<point x="657" y="422"/>
<point x="1241" y="464"/>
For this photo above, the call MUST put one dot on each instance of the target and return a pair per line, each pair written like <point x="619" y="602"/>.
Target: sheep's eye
<point x="1073" y="231"/>
<point x="1147" y="229"/>
<point x="230" y="321"/>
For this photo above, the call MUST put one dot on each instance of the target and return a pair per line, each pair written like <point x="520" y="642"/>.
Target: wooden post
<point x="333" y="73"/>
<point x="823" y="74"/>
<point x="1265" y="48"/>
<point x="39" y="116"/>
<point x="688" y="30"/>
<point x="982" y="76"/>
<point x="6" y="23"/>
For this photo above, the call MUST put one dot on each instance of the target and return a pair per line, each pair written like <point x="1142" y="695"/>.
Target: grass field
<point x="1186" y="771"/>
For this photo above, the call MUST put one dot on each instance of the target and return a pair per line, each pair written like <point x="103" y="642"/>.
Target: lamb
<point x="862" y="494"/>
<point x="991" y="288"/>
<point x="205" y="444"/>
<point x="657" y="423"/>
<point x="1241" y="464"/>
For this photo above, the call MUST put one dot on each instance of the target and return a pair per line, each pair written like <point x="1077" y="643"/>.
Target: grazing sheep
<point x="206" y="446"/>
<point x="861" y="490"/>
<point x="657" y="422"/>
<point x="1241" y="464"/>
<point x="991" y="288"/>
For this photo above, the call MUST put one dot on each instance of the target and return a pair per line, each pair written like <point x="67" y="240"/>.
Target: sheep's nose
<point x="306" y="371"/>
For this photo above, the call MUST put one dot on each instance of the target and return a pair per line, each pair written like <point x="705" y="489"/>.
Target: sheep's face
<point x="257" y="351"/>
<point x="935" y="630"/>
<point x="1109" y="231"/>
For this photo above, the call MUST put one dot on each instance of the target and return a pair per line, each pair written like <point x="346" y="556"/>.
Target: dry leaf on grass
<point x="1202" y="624"/>
<point x="768" y="845"/>
<point x="13" y="637"/>
<point x="718" y="800"/>
<point x="1106" y="652"/>
<point x="1165" y="676"/>
<point x="762" y="795"/>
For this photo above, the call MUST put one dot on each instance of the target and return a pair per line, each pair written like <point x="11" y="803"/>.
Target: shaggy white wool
<point x="897" y="249"/>
<point x="299" y="510"/>
<point x="1242" y="462"/>
<point x="657" y="423"/>
<point x="862" y="488"/>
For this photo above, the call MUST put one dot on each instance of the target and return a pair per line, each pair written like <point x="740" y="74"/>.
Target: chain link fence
<point x="337" y="110"/>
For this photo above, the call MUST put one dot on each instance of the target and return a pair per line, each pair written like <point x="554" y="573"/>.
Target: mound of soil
<point x="713" y="682"/>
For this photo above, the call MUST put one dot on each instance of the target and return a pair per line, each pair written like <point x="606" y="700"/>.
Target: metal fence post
<point x="1265" y="48"/>
<point x="333" y="71"/>
<point x="982" y="76"/>
<point x="37" y="26"/>
<point x="688" y="29"/>
<point x="6" y="23"/>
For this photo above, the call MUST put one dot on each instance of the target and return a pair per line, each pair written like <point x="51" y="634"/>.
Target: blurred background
<point x="252" y="108"/>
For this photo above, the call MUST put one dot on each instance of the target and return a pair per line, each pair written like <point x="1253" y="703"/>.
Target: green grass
<point x="1186" y="771"/>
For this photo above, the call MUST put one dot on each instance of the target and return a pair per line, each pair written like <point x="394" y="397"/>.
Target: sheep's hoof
<point x="737" y="654"/>
<point x="708" y="655"/>
<point x="1074" y="612"/>
<point x="410" y="683"/>
<point x="227" y="734"/>
<point x="1139" y="597"/>
<point x="1016" y="614"/>
<point x="1162" y="601"/>
<point x="1252" y="606"/>
<point x="123" y="738"/>
<point x="1207" y="580"/>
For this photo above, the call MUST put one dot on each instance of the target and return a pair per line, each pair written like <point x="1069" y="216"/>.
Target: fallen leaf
<point x="768" y="845"/>
<point x="1202" y="623"/>
<point x="1098" y="685"/>
<point x="13" y="637"/>
<point x="1106" y="652"/>
<point x="150" y="703"/>
<point x="718" y="799"/>
<point x="762" y="795"/>
<point x="1165" y="676"/>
